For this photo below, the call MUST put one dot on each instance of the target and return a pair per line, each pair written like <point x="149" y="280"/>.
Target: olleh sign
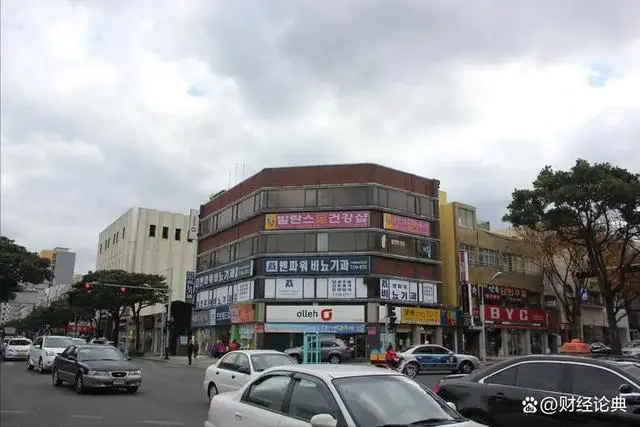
<point x="495" y="314"/>
<point x="325" y="315"/>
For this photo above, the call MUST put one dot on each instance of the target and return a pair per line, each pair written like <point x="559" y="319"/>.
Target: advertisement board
<point x="315" y="220"/>
<point x="315" y="314"/>
<point x="408" y="291"/>
<point x="421" y="316"/>
<point x="224" y="274"/>
<point x="407" y="225"/>
<point x="321" y="328"/>
<point x="194" y="221"/>
<point x="318" y="265"/>
<point x="189" y="284"/>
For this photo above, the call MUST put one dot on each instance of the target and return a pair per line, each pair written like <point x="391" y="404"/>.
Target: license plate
<point x="118" y="382"/>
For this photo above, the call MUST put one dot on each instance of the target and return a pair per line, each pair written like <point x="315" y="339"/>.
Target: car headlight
<point x="137" y="372"/>
<point x="100" y="373"/>
<point x="50" y="353"/>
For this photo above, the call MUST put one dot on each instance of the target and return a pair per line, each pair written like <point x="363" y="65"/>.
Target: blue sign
<point x="223" y="316"/>
<point x="227" y="273"/>
<point x="189" y="284"/>
<point x="318" y="265"/>
<point x="323" y="328"/>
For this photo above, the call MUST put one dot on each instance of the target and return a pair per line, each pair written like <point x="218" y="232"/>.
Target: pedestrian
<point x="233" y="346"/>
<point x="190" y="350"/>
<point x="196" y="347"/>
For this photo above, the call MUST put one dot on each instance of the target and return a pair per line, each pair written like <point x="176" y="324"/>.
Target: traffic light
<point x="122" y="291"/>
<point x="391" y="315"/>
<point x="88" y="287"/>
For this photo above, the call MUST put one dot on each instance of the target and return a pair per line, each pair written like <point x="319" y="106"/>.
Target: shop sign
<point x="322" y="328"/>
<point x="203" y="318"/>
<point x="407" y="291"/>
<point x="406" y="225"/>
<point x="341" y="287"/>
<point x="227" y="273"/>
<point x="421" y="316"/>
<point x="322" y="265"/>
<point x="223" y="316"/>
<point x="189" y="284"/>
<point x="316" y="220"/>
<point x="289" y="288"/>
<point x="241" y="313"/>
<point x="504" y="315"/>
<point x="504" y="294"/>
<point x="224" y="295"/>
<point x="315" y="313"/>
<point x="246" y="331"/>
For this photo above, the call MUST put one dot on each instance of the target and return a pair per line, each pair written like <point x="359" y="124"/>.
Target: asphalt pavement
<point x="171" y="395"/>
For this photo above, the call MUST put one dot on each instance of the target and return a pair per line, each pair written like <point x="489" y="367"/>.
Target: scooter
<point x="400" y="367"/>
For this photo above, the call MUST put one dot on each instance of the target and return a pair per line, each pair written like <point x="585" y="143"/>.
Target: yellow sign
<point x="270" y="222"/>
<point x="421" y="316"/>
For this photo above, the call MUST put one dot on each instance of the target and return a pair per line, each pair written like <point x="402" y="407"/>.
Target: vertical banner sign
<point x="189" y="285"/>
<point x="463" y="260"/>
<point x="193" y="225"/>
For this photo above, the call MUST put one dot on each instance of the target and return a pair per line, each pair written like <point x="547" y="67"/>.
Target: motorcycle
<point x="400" y="366"/>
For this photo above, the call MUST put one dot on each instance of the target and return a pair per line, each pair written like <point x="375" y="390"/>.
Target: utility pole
<point x="167" y="321"/>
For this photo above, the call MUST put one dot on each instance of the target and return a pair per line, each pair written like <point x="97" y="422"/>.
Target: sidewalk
<point x="200" y="361"/>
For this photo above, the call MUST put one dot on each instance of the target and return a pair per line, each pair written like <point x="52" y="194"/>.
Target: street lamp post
<point x="167" y="334"/>
<point x="483" y="336"/>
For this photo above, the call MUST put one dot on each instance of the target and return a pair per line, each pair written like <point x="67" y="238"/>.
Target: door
<point x="309" y="396"/>
<point x="263" y="402"/>
<point x="36" y="351"/>
<point x="225" y="370"/>
<point x="444" y="359"/>
<point x="425" y="357"/>
<point x="242" y="372"/>
<point x="65" y="365"/>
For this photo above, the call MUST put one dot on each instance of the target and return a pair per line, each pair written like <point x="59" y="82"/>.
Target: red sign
<point x="495" y="314"/>
<point x="81" y="328"/>
<point x="310" y="220"/>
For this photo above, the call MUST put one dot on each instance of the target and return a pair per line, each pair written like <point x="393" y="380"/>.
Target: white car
<point x="237" y="368"/>
<point x="44" y="350"/>
<point x="632" y="349"/>
<point x="331" y="396"/>
<point x="16" y="348"/>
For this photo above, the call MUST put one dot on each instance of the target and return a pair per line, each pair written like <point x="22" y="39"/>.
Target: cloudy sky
<point x="109" y="104"/>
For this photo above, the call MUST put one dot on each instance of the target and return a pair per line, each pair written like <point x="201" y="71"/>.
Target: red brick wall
<point x="323" y="175"/>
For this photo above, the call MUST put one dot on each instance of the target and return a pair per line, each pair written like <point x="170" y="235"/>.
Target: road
<point x="171" y="395"/>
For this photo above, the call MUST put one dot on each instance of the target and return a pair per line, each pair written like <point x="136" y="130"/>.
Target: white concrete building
<point x="30" y="297"/>
<point x="152" y="242"/>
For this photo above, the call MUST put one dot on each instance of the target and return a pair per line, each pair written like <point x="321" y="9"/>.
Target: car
<point x="237" y="368"/>
<point x="101" y="341"/>
<point x="598" y="348"/>
<point x="632" y="349"/>
<point x="16" y="348"/>
<point x="90" y="367"/>
<point x="332" y="350"/>
<point x="432" y="357"/>
<point x="44" y="350"/>
<point x="325" y="395"/>
<point x="511" y="393"/>
<point x="79" y="341"/>
<point x="4" y="344"/>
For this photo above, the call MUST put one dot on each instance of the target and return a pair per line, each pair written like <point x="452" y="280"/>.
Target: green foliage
<point x="17" y="266"/>
<point x="594" y="206"/>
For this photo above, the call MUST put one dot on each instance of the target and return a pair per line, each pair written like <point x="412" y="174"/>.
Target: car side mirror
<point x="625" y="389"/>
<point x="323" y="420"/>
<point x="452" y="406"/>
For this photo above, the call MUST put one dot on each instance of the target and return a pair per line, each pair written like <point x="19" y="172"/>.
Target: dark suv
<point x="332" y="350"/>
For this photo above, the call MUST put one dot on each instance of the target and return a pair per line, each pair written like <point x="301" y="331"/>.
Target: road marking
<point x="9" y="363"/>
<point x="11" y="411"/>
<point x="88" y="417"/>
<point x="163" y="423"/>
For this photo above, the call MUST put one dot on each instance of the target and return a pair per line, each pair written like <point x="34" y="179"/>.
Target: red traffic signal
<point x="88" y="287"/>
<point x="123" y="289"/>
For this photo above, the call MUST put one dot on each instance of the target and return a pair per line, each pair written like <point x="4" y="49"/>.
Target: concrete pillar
<point x="504" y="352"/>
<point x="527" y="342"/>
<point x="415" y="334"/>
<point x="438" y="336"/>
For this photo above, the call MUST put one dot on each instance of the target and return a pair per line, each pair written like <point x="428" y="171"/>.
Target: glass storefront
<point x="537" y="342"/>
<point x="494" y="343"/>
<point x="516" y="342"/>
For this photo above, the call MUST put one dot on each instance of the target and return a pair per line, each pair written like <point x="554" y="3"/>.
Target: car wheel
<point x="334" y="359"/>
<point x="466" y="367"/>
<point x="40" y="368"/>
<point x="212" y="391"/>
<point x="411" y="370"/>
<point x="79" y="384"/>
<point x="29" y="365"/>
<point x="132" y="390"/>
<point x="56" y="378"/>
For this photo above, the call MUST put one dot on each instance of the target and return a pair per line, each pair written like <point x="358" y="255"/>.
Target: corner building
<point x="321" y="249"/>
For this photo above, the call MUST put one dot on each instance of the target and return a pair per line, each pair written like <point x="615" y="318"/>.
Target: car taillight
<point x="436" y="388"/>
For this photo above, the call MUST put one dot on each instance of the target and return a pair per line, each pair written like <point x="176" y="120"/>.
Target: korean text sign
<point x="311" y="220"/>
<point x="189" y="285"/>
<point x="227" y="273"/>
<point x="406" y="225"/>
<point x="316" y="265"/>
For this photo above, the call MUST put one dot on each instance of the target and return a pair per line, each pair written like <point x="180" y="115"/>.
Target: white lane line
<point x="88" y="417"/>
<point x="11" y="411"/>
<point x="9" y="363"/>
<point x="163" y="423"/>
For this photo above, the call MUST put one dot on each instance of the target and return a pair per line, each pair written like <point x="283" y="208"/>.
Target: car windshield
<point x="265" y="361"/>
<point x="408" y="401"/>
<point x="57" y="342"/>
<point x="99" y="353"/>
<point x="20" y="342"/>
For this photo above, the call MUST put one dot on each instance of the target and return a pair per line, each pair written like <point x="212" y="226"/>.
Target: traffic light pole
<point x="167" y="334"/>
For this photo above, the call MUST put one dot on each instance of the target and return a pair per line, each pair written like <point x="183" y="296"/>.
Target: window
<point x="123" y="232"/>
<point x="413" y="204"/>
<point x="489" y="258"/>
<point x="286" y="199"/>
<point x="242" y="364"/>
<point x="427" y="249"/>
<point x="178" y="234"/>
<point x="342" y="241"/>
<point x="471" y="254"/>
<point x="587" y="380"/>
<point x="428" y="207"/>
<point x="223" y="256"/>
<point x="108" y="241"/>
<point x="165" y="232"/>
<point x="362" y="241"/>
<point x="258" y="201"/>
<point x="225" y="218"/>
<point x="152" y="230"/>
<point x="100" y="247"/>
<point x="424" y="350"/>
<point x="268" y="360"/>
<point x="323" y="242"/>
<point x="506" y="377"/>
<point x="310" y="398"/>
<point x="290" y="243"/>
<point x="245" y="208"/>
<point x="349" y="196"/>
<point x="382" y="197"/>
<point x="403" y="246"/>
<point x="269" y="392"/>
<point x="244" y="249"/>
<point x="396" y="200"/>
<point x="465" y="218"/>
<point x="115" y="238"/>
<point x="540" y="376"/>
<point x="228" y="362"/>
<point x="310" y="198"/>
<point x="205" y="261"/>
<point x="310" y="242"/>
<point x="205" y="226"/>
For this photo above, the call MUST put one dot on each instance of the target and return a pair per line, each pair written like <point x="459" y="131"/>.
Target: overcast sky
<point x="112" y="104"/>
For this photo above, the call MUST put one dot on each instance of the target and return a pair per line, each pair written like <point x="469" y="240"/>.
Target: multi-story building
<point x="150" y="241"/>
<point x="322" y="249"/>
<point x="30" y="297"/>
<point x="63" y="263"/>
<point x="500" y="268"/>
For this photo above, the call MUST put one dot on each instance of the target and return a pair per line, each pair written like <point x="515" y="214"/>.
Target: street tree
<point x="155" y="292"/>
<point x="593" y="206"/>
<point x="18" y="266"/>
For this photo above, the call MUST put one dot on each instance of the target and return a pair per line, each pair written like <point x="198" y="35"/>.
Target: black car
<point x="513" y="393"/>
<point x="95" y="367"/>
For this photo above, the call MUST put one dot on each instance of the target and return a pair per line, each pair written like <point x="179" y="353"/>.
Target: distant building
<point x="150" y="241"/>
<point x="30" y="297"/>
<point x="63" y="264"/>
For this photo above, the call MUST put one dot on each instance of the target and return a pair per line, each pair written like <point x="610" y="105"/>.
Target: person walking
<point x="190" y="350"/>
<point x="196" y="347"/>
